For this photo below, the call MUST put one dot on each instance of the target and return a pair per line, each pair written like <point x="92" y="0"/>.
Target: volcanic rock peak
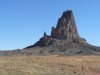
<point x="64" y="40"/>
<point x="65" y="30"/>
<point x="66" y="27"/>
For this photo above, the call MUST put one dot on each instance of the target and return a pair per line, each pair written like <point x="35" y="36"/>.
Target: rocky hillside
<point x="64" y="39"/>
<point x="65" y="30"/>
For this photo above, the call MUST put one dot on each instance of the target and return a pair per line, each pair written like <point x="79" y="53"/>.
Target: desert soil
<point x="50" y="65"/>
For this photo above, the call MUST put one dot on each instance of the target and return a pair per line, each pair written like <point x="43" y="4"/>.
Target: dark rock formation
<point x="64" y="39"/>
<point x="66" y="27"/>
<point x="65" y="30"/>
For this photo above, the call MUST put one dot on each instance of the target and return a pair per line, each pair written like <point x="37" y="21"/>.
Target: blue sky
<point x="23" y="22"/>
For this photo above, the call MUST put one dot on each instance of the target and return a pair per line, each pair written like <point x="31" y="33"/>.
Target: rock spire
<point x="66" y="27"/>
<point x="65" y="31"/>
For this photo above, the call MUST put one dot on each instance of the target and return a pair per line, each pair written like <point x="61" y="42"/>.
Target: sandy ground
<point x="50" y="65"/>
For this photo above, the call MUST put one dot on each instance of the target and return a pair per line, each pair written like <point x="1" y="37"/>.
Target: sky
<point x="23" y="22"/>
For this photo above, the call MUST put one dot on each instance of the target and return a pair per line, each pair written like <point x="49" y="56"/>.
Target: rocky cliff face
<point x="64" y="39"/>
<point x="65" y="31"/>
<point x="66" y="27"/>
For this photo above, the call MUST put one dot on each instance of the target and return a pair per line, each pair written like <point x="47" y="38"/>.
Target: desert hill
<point x="64" y="40"/>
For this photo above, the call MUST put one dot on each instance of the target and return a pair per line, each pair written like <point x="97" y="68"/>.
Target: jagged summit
<point x="65" y="30"/>
<point x="66" y="27"/>
<point x="64" y="39"/>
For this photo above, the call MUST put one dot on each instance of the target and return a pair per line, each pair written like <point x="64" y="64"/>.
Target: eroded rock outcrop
<point x="64" y="40"/>
<point x="65" y="30"/>
<point x="66" y="27"/>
